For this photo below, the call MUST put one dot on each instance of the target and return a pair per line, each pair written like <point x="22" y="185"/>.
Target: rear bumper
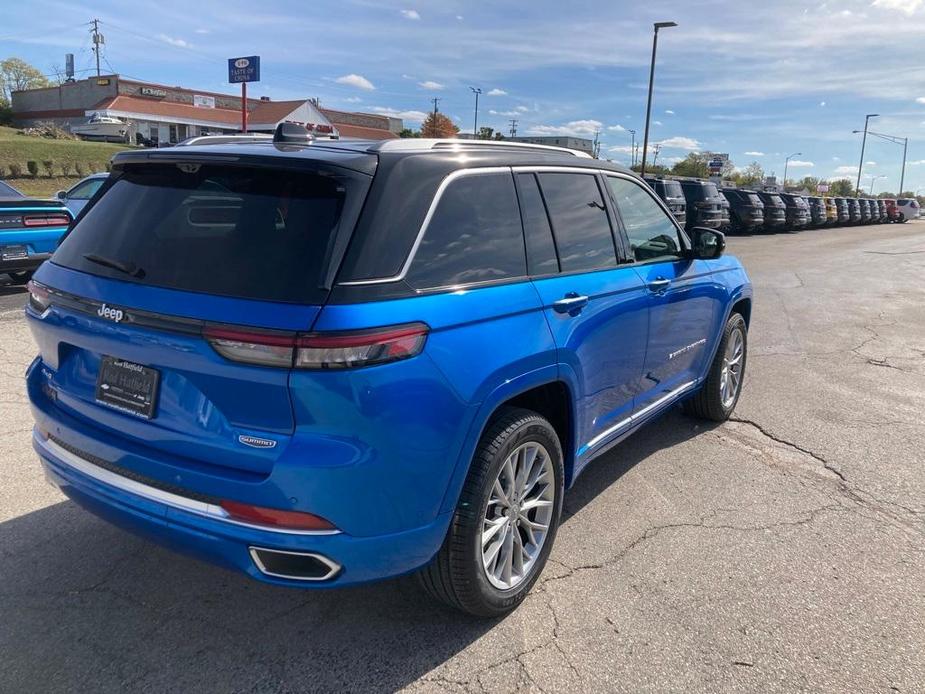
<point x="30" y="262"/>
<point x="352" y="560"/>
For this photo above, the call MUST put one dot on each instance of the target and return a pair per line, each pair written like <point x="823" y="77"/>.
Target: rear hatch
<point x="164" y="316"/>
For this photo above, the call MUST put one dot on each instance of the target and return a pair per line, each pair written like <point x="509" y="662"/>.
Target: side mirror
<point x="61" y="195"/>
<point x="707" y="244"/>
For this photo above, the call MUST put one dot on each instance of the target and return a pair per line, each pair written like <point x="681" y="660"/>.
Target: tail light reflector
<point x="274" y="517"/>
<point x="39" y="296"/>
<point x="319" y="350"/>
<point x="46" y="220"/>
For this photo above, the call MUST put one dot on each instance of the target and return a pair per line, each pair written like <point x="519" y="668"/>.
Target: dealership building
<point x="161" y="115"/>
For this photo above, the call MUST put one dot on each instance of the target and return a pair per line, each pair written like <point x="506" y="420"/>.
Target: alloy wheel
<point x="731" y="375"/>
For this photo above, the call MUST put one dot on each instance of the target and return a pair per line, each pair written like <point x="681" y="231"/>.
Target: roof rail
<point x="224" y="139"/>
<point x="429" y="144"/>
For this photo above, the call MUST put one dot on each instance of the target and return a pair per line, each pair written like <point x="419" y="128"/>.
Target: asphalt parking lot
<point x="781" y="551"/>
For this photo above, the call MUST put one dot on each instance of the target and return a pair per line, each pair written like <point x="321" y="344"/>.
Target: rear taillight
<point x="46" y="220"/>
<point x="319" y="350"/>
<point x="274" y="517"/>
<point x="39" y="296"/>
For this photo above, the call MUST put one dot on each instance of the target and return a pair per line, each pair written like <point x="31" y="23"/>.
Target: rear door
<point x="173" y="304"/>
<point x="684" y="300"/>
<point x="595" y="304"/>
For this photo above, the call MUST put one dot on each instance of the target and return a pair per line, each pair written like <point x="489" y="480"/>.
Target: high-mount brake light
<point x="39" y="296"/>
<point x="45" y="220"/>
<point x="319" y="350"/>
<point x="274" y="517"/>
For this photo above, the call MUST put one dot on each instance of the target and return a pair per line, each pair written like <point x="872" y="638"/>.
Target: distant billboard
<point x="203" y="101"/>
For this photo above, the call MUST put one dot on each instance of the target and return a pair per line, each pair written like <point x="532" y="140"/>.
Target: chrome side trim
<point x="459" y="173"/>
<point x="430" y="144"/>
<point x="635" y="417"/>
<point x="199" y="508"/>
<point x="330" y="563"/>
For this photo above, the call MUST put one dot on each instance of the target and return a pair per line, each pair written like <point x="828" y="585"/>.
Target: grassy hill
<point x="18" y="149"/>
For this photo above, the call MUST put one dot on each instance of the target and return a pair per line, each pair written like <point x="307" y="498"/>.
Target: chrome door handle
<point x="570" y="302"/>
<point x="659" y="285"/>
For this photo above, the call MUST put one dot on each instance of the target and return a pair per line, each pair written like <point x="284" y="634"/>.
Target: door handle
<point x="569" y="303"/>
<point x="659" y="285"/>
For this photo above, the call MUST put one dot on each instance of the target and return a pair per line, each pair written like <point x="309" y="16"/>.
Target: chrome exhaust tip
<point x="295" y="566"/>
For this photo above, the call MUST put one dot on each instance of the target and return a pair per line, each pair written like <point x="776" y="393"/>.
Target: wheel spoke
<point x="498" y="491"/>
<point x="507" y="557"/>
<point x="493" y="526"/>
<point x="535" y="503"/>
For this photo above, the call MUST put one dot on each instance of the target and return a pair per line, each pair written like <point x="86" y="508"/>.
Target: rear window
<point x="710" y="190"/>
<point x="753" y="199"/>
<point x="241" y="232"/>
<point x="673" y="189"/>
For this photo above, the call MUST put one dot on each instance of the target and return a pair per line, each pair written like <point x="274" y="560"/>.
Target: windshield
<point x="243" y="232"/>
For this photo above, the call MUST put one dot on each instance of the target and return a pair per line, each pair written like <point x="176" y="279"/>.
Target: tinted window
<point x="474" y="235"/>
<point x="710" y="190"/>
<point x="673" y="189"/>
<point x="651" y="232"/>
<point x="85" y="190"/>
<point x="252" y="233"/>
<point x="579" y="221"/>
<point x="8" y="191"/>
<point x="541" y="251"/>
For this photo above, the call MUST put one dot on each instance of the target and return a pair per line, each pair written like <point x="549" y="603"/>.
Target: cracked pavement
<point x="781" y="551"/>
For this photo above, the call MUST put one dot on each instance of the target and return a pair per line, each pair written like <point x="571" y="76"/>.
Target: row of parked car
<point x="699" y="203"/>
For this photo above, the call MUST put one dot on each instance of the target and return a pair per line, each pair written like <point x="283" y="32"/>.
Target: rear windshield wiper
<point x="127" y="268"/>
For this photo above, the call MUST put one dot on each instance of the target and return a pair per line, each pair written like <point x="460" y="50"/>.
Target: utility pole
<point x="657" y="146"/>
<point x="645" y="146"/>
<point x="902" y="176"/>
<point x="513" y="127"/>
<point x="857" y="186"/>
<point x="632" y="148"/>
<point x="434" y="122"/>
<point x="475" y="122"/>
<point x="596" y="148"/>
<point x="98" y="41"/>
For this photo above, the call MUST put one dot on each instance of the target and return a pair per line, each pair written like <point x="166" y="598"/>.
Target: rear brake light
<point x="46" y="220"/>
<point x="362" y="348"/>
<point x="39" y="296"/>
<point x="274" y="517"/>
<point x="319" y="350"/>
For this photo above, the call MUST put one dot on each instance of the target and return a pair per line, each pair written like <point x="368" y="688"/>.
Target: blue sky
<point x="757" y="81"/>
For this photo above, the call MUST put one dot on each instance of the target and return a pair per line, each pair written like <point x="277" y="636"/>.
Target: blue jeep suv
<point x="324" y="363"/>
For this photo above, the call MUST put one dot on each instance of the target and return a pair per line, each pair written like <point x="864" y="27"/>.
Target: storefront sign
<point x="152" y="91"/>
<point x="244" y="69"/>
<point x="203" y="101"/>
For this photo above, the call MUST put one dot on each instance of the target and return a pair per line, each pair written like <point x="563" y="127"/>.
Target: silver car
<point x="80" y="193"/>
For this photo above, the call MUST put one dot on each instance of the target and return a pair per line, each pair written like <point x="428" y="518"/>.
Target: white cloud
<point x="755" y="154"/>
<point x="920" y="100"/>
<point x="203" y="31"/>
<point x="414" y="116"/>
<point x="459" y="17"/>
<point x="575" y="127"/>
<point x="836" y="158"/>
<point x="798" y="164"/>
<point x="522" y="109"/>
<point x="622" y="149"/>
<point x="656" y="122"/>
<point x="907" y="7"/>
<point x="353" y="100"/>
<point x="669" y="111"/>
<point x="917" y="162"/>
<point x="870" y="163"/>
<point x="357" y="81"/>
<point x="430" y="84"/>
<point x="497" y="92"/>
<point x="616" y="128"/>
<point x="179" y="43"/>
<point x="822" y="103"/>
<point x="845" y="170"/>
<point x="680" y="143"/>
<point x="410" y="14"/>
<point x="493" y="112"/>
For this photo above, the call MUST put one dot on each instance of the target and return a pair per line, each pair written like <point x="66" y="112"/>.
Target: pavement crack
<point x="784" y="442"/>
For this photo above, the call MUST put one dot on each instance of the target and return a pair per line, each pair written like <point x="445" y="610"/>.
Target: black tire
<point x="707" y="403"/>
<point x="20" y="277"/>
<point x="456" y="575"/>
<point x="901" y="219"/>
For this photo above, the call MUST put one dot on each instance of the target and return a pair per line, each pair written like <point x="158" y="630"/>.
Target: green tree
<point x="808" y="182"/>
<point x="693" y="165"/>
<point x="408" y="132"/>
<point x="751" y="175"/>
<point x="842" y="188"/>
<point x="486" y="133"/>
<point x="15" y="75"/>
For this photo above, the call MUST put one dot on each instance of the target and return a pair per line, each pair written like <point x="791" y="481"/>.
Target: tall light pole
<point x="645" y="142"/>
<point x="632" y="148"/>
<point x="895" y="140"/>
<point x="857" y="186"/>
<point x="786" y="164"/>
<point x="475" y="123"/>
<point x="872" y="179"/>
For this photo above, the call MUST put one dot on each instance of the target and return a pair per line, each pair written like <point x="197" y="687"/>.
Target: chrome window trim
<point x="459" y="173"/>
<point x="330" y="563"/>
<point x="636" y="416"/>
<point x="183" y="503"/>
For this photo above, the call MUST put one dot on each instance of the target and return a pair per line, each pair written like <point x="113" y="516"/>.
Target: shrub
<point x="108" y="166"/>
<point x="33" y="167"/>
<point x="79" y="169"/>
<point x="66" y="169"/>
<point x="15" y="171"/>
<point x="2" y="171"/>
<point x="92" y="167"/>
<point x="49" y="166"/>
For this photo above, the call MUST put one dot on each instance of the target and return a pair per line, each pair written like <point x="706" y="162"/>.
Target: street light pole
<point x="475" y="123"/>
<point x="786" y="164"/>
<point x="857" y="186"/>
<point x="873" y="178"/>
<point x="632" y="148"/>
<point x="902" y="176"/>
<point x="645" y="141"/>
<point x="895" y="140"/>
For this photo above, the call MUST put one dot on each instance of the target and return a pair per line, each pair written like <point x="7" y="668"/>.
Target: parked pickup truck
<point x="29" y="231"/>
